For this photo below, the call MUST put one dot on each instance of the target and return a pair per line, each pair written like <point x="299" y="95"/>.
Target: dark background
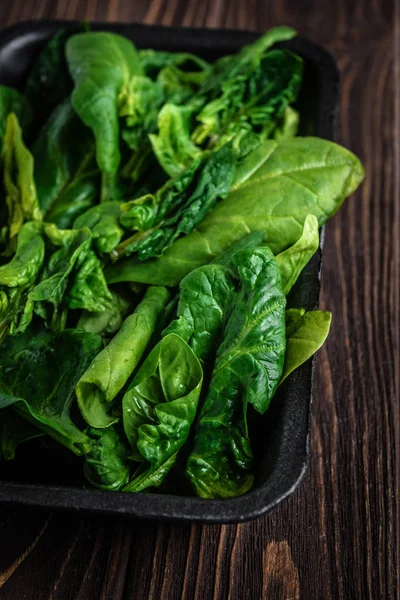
<point x="335" y="537"/>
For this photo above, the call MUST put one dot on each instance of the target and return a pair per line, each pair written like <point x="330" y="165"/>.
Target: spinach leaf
<point x="293" y="260"/>
<point x="103" y="222"/>
<point x="24" y="266"/>
<point x="203" y="295"/>
<point x="21" y="198"/>
<point x="106" y="464"/>
<point x="49" y="82"/>
<point x="102" y="66"/>
<point x="13" y="431"/>
<point x="182" y="203"/>
<point x="111" y="369"/>
<point x="38" y="373"/>
<point x="275" y="188"/>
<point x="252" y="102"/>
<point x="306" y="333"/>
<point x="89" y="288"/>
<point x="247" y="370"/>
<point x="246" y="60"/>
<point x="159" y="408"/>
<point x="73" y="248"/>
<point x="172" y="146"/>
<point x="66" y="173"/>
<point x="12" y="101"/>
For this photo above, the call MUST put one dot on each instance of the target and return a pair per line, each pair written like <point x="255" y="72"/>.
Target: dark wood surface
<point x="335" y="537"/>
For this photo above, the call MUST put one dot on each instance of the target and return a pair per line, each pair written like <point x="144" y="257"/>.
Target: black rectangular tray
<point x="282" y="437"/>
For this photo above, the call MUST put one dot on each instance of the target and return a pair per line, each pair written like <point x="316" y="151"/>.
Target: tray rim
<point x="173" y="507"/>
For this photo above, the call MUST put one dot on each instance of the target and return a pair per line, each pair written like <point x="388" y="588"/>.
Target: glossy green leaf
<point x="293" y="260"/>
<point x="24" y="266"/>
<point x="102" y="66"/>
<point x="306" y="333"/>
<point x="183" y="203"/>
<point x="172" y="146"/>
<point x="103" y="222"/>
<point x="38" y="374"/>
<point x="275" y="188"/>
<point x="21" y="198"/>
<point x="73" y="248"/>
<point x="111" y="369"/>
<point x="203" y="295"/>
<point x="159" y="408"/>
<point x="89" y="289"/>
<point x="106" y="464"/>
<point x="247" y="370"/>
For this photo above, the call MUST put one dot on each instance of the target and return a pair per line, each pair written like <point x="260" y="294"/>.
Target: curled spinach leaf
<point x="159" y="408"/>
<point x="111" y="369"/>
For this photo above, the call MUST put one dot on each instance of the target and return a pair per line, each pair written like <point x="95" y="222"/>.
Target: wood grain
<point x="336" y="536"/>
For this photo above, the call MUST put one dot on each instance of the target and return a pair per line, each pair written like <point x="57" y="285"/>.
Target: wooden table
<point x="335" y="537"/>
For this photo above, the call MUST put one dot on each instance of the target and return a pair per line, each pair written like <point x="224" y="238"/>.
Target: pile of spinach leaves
<point x="155" y="212"/>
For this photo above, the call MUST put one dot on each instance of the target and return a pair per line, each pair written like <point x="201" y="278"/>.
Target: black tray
<point x="282" y="437"/>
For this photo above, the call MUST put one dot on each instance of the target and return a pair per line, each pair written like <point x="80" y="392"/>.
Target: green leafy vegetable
<point x="38" y="373"/>
<point x="293" y="260"/>
<point x="103" y="222"/>
<point x="159" y="408"/>
<point x="111" y="369"/>
<point x="172" y="146"/>
<point x="203" y="295"/>
<point x="21" y="198"/>
<point x="106" y="464"/>
<point x="306" y="332"/>
<point x="182" y="204"/>
<point x="89" y="288"/>
<point x="275" y="188"/>
<point x="24" y="266"/>
<point x="102" y="66"/>
<point x="247" y="370"/>
<point x="254" y="102"/>
<point x="55" y="277"/>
